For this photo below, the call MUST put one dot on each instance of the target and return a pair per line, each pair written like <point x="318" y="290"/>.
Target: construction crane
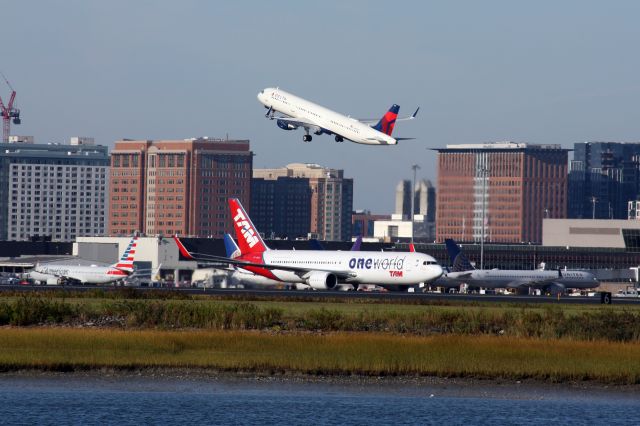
<point x="8" y="112"/>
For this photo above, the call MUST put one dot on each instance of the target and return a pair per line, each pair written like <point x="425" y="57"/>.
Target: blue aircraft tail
<point x="231" y="247"/>
<point x="459" y="261"/>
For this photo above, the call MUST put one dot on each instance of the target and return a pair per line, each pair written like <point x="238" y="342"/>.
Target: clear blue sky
<point x="539" y="72"/>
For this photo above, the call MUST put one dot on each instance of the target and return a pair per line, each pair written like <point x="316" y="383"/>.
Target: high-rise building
<point x="519" y="184"/>
<point x="52" y="191"/>
<point x="177" y="186"/>
<point x="603" y="178"/>
<point x="281" y="207"/>
<point x="424" y="209"/>
<point x="425" y="200"/>
<point x="403" y="199"/>
<point x="331" y="199"/>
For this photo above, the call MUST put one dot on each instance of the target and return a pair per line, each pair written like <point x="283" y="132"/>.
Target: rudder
<point x="388" y="121"/>
<point x="249" y="239"/>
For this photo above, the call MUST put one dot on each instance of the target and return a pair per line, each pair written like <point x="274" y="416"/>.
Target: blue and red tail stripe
<point x="388" y="121"/>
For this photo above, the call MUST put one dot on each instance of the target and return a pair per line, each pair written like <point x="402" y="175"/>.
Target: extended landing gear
<point x="269" y="113"/>
<point x="307" y="138"/>
<point x="339" y="139"/>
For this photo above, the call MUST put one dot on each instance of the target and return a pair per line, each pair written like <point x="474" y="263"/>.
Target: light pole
<point x="483" y="171"/>
<point x="593" y="207"/>
<point x="415" y="168"/>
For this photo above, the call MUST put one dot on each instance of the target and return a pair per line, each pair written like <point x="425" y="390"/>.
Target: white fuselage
<point x="496" y="278"/>
<point x="381" y="268"/>
<point x="325" y="119"/>
<point x="83" y="274"/>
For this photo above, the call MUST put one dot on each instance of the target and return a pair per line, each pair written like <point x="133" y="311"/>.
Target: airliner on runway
<point x="548" y="281"/>
<point x="317" y="119"/>
<point x="52" y="273"/>
<point x="322" y="269"/>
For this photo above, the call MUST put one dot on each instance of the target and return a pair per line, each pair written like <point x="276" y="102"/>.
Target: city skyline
<point x="538" y="73"/>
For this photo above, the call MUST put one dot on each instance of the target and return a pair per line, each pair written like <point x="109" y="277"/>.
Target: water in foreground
<point x="130" y="399"/>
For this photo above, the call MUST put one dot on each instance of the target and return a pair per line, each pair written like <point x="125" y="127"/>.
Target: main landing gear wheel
<point x="339" y="139"/>
<point x="307" y="138"/>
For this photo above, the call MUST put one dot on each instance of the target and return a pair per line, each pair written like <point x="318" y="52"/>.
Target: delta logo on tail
<point x="388" y="121"/>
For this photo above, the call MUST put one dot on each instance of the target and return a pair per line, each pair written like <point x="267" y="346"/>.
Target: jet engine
<point x="284" y="125"/>
<point x="322" y="280"/>
<point x="555" y="288"/>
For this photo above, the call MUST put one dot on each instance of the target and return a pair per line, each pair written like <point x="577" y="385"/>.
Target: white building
<point x="52" y="191"/>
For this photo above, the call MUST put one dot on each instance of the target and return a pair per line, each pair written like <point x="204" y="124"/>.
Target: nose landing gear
<point x="307" y="138"/>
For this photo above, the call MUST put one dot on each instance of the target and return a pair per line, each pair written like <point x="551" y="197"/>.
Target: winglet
<point x="414" y="114"/>
<point x="183" y="250"/>
<point x="357" y="244"/>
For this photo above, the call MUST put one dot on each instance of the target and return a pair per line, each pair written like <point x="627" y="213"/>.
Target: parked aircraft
<point x="54" y="272"/>
<point x="549" y="281"/>
<point x="323" y="269"/>
<point x="316" y="119"/>
<point x="237" y="275"/>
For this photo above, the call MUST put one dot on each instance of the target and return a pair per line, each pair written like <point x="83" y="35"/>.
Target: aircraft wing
<point x="373" y="121"/>
<point x="460" y="275"/>
<point x="217" y="260"/>
<point x="300" y="122"/>
<point x="531" y="283"/>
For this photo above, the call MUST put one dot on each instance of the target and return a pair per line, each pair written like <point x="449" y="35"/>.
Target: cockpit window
<point x="429" y="262"/>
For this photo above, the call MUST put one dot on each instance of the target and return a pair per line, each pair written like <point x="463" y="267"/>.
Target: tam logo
<point x="245" y="228"/>
<point x="395" y="273"/>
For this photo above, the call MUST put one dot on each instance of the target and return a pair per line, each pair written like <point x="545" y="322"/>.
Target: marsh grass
<point x="551" y="322"/>
<point x="331" y="354"/>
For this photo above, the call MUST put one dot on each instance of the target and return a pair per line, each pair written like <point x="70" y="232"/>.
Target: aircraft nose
<point x="438" y="270"/>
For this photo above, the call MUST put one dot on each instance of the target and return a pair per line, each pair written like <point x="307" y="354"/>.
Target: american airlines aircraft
<point x="549" y="281"/>
<point x="88" y="274"/>
<point x="322" y="269"/>
<point x="317" y="119"/>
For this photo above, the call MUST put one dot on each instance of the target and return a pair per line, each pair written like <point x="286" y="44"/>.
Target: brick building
<point x="177" y="186"/>
<point x="519" y="183"/>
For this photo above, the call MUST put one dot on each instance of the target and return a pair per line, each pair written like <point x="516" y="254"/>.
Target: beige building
<point x="331" y="197"/>
<point x="590" y="233"/>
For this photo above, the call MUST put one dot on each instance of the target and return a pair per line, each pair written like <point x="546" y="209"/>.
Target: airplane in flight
<point x="549" y="281"/>
<point x="53" y="273"/>
<point x="322" y="269"/>
<point x="313" y="118"/>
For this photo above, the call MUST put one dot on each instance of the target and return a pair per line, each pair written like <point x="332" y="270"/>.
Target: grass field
<point x="334" y="353"/>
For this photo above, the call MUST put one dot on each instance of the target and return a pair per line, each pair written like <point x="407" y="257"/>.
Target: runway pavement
<point x="308" y="294"/>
